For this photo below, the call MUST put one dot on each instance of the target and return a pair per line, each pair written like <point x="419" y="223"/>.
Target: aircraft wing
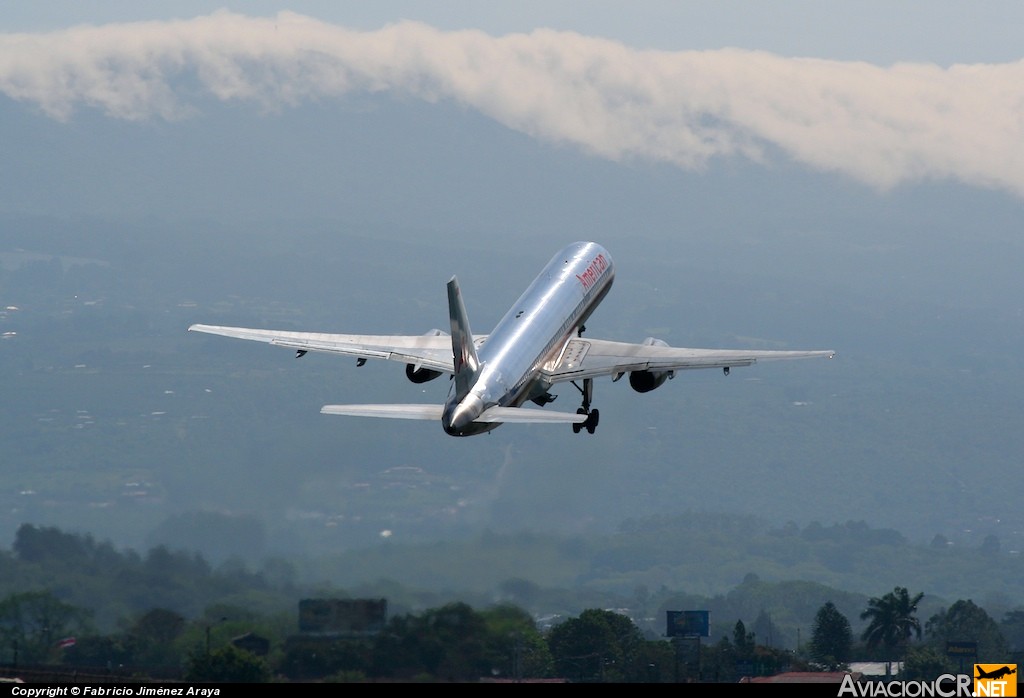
<point x="590" y="358"/>
<point x="432" y="350"/>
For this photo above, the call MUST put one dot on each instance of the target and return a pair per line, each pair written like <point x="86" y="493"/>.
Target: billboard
<point x="688" y="624"/>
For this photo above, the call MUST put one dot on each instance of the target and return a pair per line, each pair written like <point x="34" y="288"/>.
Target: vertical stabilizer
<point x="463" y="350"/>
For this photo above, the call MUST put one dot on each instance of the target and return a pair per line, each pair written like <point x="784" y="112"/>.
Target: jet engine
<point x="418" y="374"/>
<point x="646" y="381"/>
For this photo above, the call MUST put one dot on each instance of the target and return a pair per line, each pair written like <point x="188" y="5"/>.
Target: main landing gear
<point x="593" y="416"/>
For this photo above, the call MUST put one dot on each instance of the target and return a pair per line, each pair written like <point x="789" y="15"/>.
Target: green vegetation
<point x="965" y="619"/>
<point x="215" y="498"/>
<point x="893" y="621"/>
<point x="169" y="614"/>
<point x="831" y="639"/>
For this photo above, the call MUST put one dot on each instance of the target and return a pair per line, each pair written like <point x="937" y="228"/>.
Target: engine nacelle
<point x="646" y="381"/>
<point x="418" y="374"/>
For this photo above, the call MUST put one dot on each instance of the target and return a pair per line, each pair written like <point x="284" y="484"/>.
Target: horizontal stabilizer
<point x="528" y="415"/>
<point x="493" y="415"/>
<point x="386" y="411"/>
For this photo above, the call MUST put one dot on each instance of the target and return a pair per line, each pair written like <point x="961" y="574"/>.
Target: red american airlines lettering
<point x="593" y="271"/>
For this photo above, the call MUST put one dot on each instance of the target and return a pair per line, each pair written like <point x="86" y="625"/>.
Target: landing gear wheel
<point x="592" y="416"/>
<point x="577" y="426"/>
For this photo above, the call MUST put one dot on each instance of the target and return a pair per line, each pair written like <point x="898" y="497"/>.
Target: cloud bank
<point x="881" y="125"/>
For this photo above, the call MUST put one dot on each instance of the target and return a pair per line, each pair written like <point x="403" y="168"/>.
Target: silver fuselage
<point x="532" y="335"/>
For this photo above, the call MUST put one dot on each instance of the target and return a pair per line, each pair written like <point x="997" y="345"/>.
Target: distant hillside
<point x="735" y="567"/>
<point x="115" y="419"/>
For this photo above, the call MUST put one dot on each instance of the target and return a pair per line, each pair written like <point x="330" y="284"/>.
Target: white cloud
<point x="882" y="125"/>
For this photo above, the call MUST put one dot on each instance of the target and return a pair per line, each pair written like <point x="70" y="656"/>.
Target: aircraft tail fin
<point x="463" y="350"/>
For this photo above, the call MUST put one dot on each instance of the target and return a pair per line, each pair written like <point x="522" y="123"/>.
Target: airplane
<point x="537" y="344"/>
<point x="996" y="673"/>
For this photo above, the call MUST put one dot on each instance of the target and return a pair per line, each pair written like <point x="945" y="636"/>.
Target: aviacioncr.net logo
<point x="995" y="680"/>
<point x="946" y="686"/>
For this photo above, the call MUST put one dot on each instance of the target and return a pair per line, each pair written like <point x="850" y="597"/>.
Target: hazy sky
<point x="884" y="222"/>
<point x="885" y="93"/>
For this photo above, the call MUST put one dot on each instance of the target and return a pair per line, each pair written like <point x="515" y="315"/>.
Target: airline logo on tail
<point x="995" y="680"/>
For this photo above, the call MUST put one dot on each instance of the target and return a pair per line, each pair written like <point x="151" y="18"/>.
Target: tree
<point x="892" y="622"/>
<point x="35" y="621"/>
<point x="925" y="663"/>
<point x="98" y="651"/>
<point x="831" y="637"/>
<point x="1012" y="627"/>
<point x="33" y="544"/>
<point x="515" y="646"/>
<point x="965" y="621"/>
<point x="153" y="637"/>
<point x="718" y="661"/>
<point x="228" y="664"/>
<point x="448" y="643"/>
<point x="599" y="645"/>
<point x="312" y="658"/>
<point x="742" y="640"/>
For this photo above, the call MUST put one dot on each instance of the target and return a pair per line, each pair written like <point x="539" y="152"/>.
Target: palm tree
<point x="893" y="621"/>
